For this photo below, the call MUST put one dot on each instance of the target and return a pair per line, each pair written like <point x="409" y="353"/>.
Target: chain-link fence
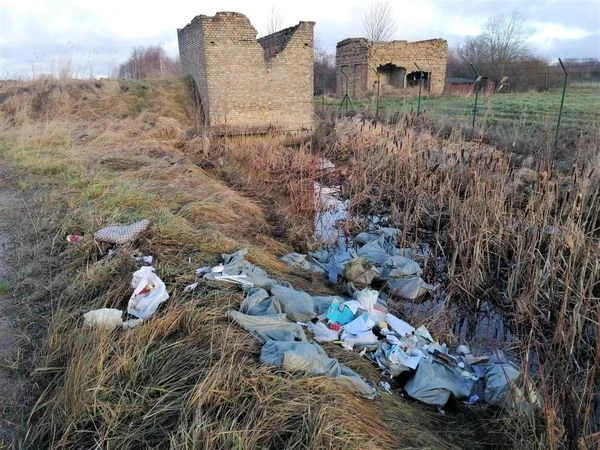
<point x="496" y="104"/>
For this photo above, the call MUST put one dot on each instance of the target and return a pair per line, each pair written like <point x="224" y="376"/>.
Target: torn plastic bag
<point x="302" y="261"/>
<point x="263" y="328"/>
<point x="409" y="288"/>
<point x="393" y="358"/>
<point x="359" y="271"/>
<point x="367" y="299"/>
<point x="257" y="303"/>
<point x="399" y="266"/>
<point x="388" y="233"/>
<point x="311" y="359"/>
<point x="506" y="387"/>
<point x="297" y="305"/>
<point x="364" y="339"/>
<point x="148" y="293"/>
<point x="322" y="333"/>
<point x="331" y="261"/>
<point x="234" y="264"/>
<point x="434" y="382"/>
<point x="120" y="234"/>
<point x="107" y="318"/>
<point x="323" y="303"/>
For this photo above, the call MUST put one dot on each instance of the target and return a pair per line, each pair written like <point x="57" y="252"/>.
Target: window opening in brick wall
<point x="392" y="75"/>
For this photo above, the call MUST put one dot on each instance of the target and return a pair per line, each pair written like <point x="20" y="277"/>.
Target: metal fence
<point x="561" y="100"/>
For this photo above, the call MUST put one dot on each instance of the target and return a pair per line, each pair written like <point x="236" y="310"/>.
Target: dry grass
<point x="89" y="154"/>
<point x="526" y="240"/>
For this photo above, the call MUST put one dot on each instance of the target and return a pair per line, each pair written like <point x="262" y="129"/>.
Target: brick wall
<point x="395" y="61"/>
<point x="250" y="84"/>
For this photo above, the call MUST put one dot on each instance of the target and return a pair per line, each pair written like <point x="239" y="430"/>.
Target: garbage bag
<point x="297" y="305"/>
<point x="311" y="359"/>
<point x="410" y="288"/>
<point x="367" y="299"/>
<point x="399" y="266"/>
<point x="331" y="261"/>
<point x="393" y="358"/>
<point x="120" y="234"/>
<point x="257" y="303"/>
<point x="236" y="264"/>
<point x="321" y="333"/>
<point x="434" y="382"/>
<point x="302" y="261"/>
<point x="148" y="293"/>
<point x="275" y="327"/>
<point x="377" y="252"/>
<point x="359" y="271"/>
<point x="388" y="233"/>
<point x="107" y="318"/>
<point x="323" y="303"/>
<point x="507" y="387"/>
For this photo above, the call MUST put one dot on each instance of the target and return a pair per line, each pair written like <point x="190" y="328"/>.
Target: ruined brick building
<point x="360" y="63"/>
<point x="245" y="83"/>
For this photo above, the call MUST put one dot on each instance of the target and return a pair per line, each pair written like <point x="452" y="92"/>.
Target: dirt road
<point x="12" y="382"/>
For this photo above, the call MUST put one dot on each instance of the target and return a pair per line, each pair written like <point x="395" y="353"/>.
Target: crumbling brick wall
<point x="245" y="84"/>
<point x="361" y="62"/>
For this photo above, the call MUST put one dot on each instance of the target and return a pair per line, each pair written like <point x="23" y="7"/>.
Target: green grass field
<point x="581" y="108"/>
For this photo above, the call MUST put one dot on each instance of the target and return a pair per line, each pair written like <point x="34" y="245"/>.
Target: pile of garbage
<point x="375" y="256"/>
<point x="277" y="314"/>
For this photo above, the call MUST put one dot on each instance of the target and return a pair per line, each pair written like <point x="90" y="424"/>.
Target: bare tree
<point x="274" y="22"/>
<point x="502" y="42"/>
<point x="378" y="23"/>
<point x="149" y="63"/>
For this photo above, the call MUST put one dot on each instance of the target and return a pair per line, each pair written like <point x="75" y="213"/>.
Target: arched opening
<point x="414" y="78"/>
<point x="391" y="75"/>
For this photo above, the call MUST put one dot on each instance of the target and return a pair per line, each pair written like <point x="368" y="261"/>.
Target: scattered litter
<point x="190" y="287"/>
<point x="275" y="313"/>
<point x="132" y="323"/>
<point x="386" y="386"/>
<point x="201" y="271"/>
<point x="147" y="259"/>
<point x="107" y="318"/>
<point x="148" y="293"/>
<point x="72" y="238"/>
<point x="120" y="234"/>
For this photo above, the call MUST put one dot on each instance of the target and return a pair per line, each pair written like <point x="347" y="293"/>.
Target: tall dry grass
<point x="527" y="240"/>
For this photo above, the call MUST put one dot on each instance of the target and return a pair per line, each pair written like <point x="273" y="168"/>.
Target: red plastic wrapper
<point x="74" y="238"/>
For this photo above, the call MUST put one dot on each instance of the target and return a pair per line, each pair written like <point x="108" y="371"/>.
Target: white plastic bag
<point x="322" y="333"/>
<point x="148" y="292"/>
<point x="367" y="299"/>
<point x="107" y="318"/>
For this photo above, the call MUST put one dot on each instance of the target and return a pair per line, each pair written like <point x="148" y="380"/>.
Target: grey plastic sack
<point x="311" y="359"/>
<point x="434" y="382"/>
<point x="297" y="305"/>
<point x="264" y="328"/>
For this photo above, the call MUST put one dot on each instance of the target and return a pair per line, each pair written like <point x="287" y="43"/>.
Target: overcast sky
<point x="93" y="37"/>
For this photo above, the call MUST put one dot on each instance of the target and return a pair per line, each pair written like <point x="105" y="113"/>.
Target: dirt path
<point x="12" y="383"/>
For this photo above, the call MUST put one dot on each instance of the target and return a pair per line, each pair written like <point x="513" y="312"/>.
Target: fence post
<point x="477" y="85"/>
<point x="377" y="99"/>
<point x="562" y="101"/>
<point x="420" y="87"/>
